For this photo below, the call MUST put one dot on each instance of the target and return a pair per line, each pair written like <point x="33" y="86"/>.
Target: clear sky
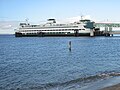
<point x="40" y="10"/>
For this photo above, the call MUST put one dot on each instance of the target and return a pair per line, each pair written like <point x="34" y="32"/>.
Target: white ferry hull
<point x="82" y="28"/>
<point x="53" y="33"/>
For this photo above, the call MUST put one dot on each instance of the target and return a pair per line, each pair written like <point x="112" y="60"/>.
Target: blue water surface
<point x="42" y="63"/>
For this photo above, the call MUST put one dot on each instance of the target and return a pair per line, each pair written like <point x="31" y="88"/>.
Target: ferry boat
<point x="51" y="28"/>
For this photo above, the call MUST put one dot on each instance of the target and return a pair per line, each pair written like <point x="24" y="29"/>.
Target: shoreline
<point x="114" y="87"/>
<point x="111" y="83"/>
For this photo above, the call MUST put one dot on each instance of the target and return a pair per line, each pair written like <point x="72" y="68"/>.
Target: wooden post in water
<point x="69" y="45"/>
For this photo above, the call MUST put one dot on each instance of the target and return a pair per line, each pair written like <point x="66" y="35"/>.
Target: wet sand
<point x="114" y="87"/>
<point x="111" y="83"/>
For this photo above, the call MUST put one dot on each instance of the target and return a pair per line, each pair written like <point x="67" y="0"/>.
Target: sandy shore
<point x="114" y="87"/>
<point x="111" y="83"/>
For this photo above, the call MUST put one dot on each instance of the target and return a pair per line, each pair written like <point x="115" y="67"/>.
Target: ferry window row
<point x="36" y="26"/>
<point x="57" y="32"/>
<point x="51" y="30"/>
<point x="48" y="33"/>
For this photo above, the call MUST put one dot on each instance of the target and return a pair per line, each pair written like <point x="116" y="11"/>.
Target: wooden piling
<point x="69" y="45"/>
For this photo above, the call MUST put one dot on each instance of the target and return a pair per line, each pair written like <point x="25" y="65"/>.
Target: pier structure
<point x="108" y="28"/>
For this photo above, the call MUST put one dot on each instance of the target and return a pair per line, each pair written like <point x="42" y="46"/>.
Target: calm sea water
<point x="45" y="63"/>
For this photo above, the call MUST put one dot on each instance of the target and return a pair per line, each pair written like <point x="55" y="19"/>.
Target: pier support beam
<point x="112" y="35"/>
<point x="107" y="34"/>
<point x="91" y="33"/>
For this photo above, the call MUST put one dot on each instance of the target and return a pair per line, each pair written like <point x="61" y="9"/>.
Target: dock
<point x="108" y="28"/>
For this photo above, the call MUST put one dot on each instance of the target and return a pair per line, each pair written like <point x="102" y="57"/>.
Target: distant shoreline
<point x="7" y="34"/>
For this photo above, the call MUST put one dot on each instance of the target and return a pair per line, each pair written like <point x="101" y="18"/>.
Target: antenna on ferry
<point x="27" y="20"/>
<point x="81" y="17"/>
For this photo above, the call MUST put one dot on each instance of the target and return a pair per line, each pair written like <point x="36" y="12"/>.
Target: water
<point x="45" y="63"/>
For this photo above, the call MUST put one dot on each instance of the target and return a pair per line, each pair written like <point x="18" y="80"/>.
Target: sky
<point x="41" y="10"/>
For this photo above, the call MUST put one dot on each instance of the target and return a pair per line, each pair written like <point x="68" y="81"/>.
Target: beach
<point x="114" y="87"/>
